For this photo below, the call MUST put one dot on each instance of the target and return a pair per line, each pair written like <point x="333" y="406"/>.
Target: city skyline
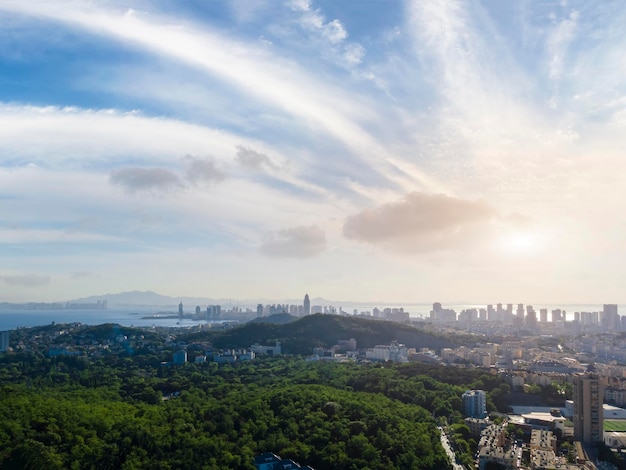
<point x="386" y="152"/>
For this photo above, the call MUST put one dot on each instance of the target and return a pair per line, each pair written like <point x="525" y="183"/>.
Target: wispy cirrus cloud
<point x="417" y="141"/>
<point x="270" y="80"/>
<point x="27" y="280"/>
<point x="332" y="32"/>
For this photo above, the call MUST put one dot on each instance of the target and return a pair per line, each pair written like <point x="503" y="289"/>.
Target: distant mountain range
<point x="127" y="299"/>
<point x="152" y="299"/>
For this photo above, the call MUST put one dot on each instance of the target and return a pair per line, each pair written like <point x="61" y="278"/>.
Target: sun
<point x="519" y="243"/>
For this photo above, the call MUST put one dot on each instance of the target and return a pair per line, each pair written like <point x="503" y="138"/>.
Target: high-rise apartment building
<point x="4" y="340"/>
<point x="492" y="314"/>
<point x="475" y="403"/>
<point x="531" y="317"/>
<point x="588" y="413"/>
<point x="609" y="319"/>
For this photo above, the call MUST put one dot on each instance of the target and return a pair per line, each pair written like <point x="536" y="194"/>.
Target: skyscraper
<point x="307" y="305"/>
<point x="531" y="317"/>
<point x="609" y="319"/>
<point x="588" y="413"/>
<point x="4" y="340"/>
<point x="475" y="403"/>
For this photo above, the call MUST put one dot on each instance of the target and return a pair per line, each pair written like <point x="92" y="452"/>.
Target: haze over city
<point x="368" y="151"/>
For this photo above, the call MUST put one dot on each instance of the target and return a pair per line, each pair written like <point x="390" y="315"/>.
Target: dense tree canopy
<point x="128" y="410"/>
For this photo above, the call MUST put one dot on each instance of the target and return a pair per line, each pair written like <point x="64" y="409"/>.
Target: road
<point x="448" y="448"/>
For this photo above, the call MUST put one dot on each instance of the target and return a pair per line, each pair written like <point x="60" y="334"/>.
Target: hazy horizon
<point x="142" y="299"/>
<point x="363" y="150"/>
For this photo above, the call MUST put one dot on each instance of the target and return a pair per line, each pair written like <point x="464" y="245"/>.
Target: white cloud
<point x="252" y="159"/>
<point x="49" y="236"/>
<point x="295" y="242"/>
<point x="557" y="43"/>
<point x="422" y="222"/>
<point x="153" y="180"/>
<point x="203" y="170"/>
<point x="463" y="111"/>
<point x="332" y="35"/>
<point x="54" y="136"/>
<point x="271" y="80"/>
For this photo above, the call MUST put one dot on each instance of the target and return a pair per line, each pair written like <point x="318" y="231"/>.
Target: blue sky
<point x="376" y="151"/>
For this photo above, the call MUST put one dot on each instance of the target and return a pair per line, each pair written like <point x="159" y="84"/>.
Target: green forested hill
<point x="301" y="336"/>
<point x="120" y="412"/>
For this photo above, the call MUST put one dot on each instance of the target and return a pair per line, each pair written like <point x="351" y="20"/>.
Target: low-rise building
<point x="510" y="459"/>
<point x="180" y="357"/>
<point x="276" y="350"/>
<point x="395" y="352"/>
<point x="477" y="425"/>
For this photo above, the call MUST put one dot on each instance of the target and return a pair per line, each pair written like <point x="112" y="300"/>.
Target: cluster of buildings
<point x="397" y="314"/>
<point x="494" y="447"/>
<point x="543" y="431"/>
<point x="229" y="356"/>
<point x="346" y="349"/>
<point x="510" y="317"/>
<point x="394" y="352"/>
<point x="296" y="310"/>
<point x="212" y="312"/>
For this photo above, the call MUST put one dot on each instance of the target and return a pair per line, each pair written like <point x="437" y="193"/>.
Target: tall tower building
<point x="180" y="308"/>
<point x="518" y="319"/>
<point x="531" y="317"/>
<point x="491" y="313"/>
<point x="588" y="413"/>
<point x="475" y="403"/>
<point x="609" y="319"/>
<point x="4" y="340"/>
<point x="307" y="305"/>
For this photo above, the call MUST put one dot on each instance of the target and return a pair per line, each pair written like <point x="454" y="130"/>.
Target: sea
<point x="154" y="316"/>
<point x="11" y="319"/>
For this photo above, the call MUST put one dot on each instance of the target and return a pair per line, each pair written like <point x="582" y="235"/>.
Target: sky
<point x="392" y="151"/>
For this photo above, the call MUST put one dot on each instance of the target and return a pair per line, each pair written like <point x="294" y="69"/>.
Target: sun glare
<point x="519" y="243"/>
